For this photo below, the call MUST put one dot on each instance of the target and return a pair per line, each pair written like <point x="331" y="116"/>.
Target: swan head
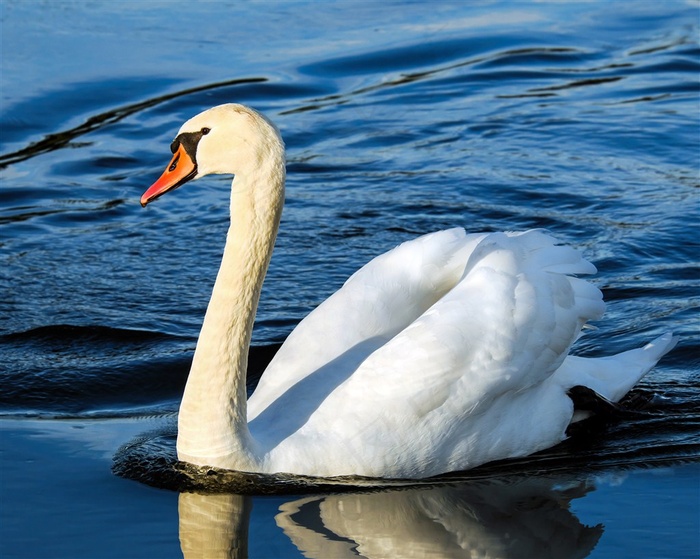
<point x="227" y="139"/>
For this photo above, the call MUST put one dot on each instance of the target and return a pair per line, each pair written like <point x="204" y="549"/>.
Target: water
<point x="399" y="119"/>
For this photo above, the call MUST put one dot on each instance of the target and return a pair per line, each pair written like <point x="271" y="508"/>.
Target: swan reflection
<point x="214" y="526"/>
<point x="495" y="518"/>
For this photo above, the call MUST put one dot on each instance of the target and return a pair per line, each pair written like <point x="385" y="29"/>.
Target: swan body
<point x="447" y="352"/>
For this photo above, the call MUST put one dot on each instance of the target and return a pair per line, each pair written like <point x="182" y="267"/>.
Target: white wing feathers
<point x="373" y="306"/>
<point x="490" y="312"/>
<point x="507" y="325"/>
<point x="451" y="347"/>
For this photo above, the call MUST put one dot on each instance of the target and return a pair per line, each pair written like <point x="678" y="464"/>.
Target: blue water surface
<point x="400" y="118"/>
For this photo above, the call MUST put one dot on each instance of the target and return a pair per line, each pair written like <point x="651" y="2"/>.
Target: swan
<point x="447" y="352"/>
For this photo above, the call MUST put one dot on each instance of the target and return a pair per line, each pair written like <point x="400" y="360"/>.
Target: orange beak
<point x="180" y="170"/>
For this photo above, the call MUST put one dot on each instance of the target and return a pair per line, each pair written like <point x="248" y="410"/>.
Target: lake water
<point x="400" y="118"/>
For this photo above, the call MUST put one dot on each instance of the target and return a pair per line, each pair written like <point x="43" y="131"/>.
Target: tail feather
<point x="615" y="375"/>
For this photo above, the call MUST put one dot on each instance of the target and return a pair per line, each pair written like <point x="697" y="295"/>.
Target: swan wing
<point x="373" y="306"/>
<point x="458" y="370"/>
<point x="469" y="380"/>
<point x="506" y="326"/>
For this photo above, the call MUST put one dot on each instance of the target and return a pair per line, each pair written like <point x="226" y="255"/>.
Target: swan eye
<point x="173" y="166"/>
<point x="205" y="131"/>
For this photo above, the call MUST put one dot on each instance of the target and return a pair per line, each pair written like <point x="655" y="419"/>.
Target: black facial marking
<point x="189" y="141"/>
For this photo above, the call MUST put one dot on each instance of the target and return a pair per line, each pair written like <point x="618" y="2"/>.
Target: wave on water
<point x="67" y="371"/>
<point x="64" y="138"/>
<point x="97" y="371"/>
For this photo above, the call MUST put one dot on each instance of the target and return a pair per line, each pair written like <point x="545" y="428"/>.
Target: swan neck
<point x="213" y="428"/>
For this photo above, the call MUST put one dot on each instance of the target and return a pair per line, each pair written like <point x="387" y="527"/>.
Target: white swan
<point x="446" y="352"/>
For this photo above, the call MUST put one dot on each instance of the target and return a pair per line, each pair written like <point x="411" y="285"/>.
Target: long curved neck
<point x="212" y="424"/>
